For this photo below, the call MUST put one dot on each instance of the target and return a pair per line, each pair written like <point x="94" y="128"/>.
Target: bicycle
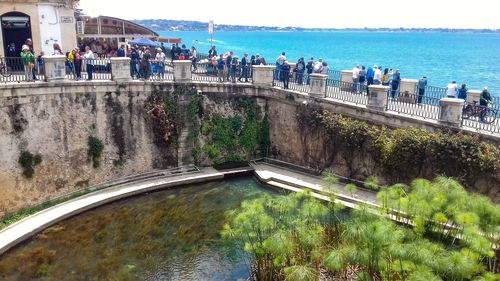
<point x="485" y="113"/>
<point x="5" y="70"/>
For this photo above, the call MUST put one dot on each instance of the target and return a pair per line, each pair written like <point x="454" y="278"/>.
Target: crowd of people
<point x="145" y="60"/>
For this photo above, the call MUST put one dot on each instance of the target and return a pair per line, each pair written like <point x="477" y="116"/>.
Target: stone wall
<point x="55" y="120"/>
<point x="56" y="123"/>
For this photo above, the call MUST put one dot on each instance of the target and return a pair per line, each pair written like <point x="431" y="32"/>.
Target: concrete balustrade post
<point x="55" y="68"/>
<point x="317" y="83"/>
<point x="346" y="77"/>
<point x="262" y="75"/>
<point x="473" y="96"/>
<point x="120" y="69"/>
<point x="408" y="90"/>
<point x="451" y="111"/>
<point x="377" y="97"/>
<point x="182" y="71"/>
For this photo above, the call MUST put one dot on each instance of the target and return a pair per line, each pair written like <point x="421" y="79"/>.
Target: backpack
<point x="300" y="66"/>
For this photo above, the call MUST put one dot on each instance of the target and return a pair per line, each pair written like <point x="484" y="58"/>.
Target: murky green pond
<point x="167" y="235"/>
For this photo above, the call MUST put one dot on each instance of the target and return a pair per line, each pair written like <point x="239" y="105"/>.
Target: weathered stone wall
<point x="312" y="148"/>
<point x="56" y="120"/>
<point x="57" y="126"/>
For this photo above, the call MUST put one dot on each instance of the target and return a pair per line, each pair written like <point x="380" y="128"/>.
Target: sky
<point x="310" y="13"/>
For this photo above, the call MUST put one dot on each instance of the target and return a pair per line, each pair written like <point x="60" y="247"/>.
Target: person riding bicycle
<point x="484" y="101"/>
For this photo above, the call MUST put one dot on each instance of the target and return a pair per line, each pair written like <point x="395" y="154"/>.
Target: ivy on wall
<point x="28" y="161"/>
<point x="407" y="153"/>
<point x="239" y="137"/>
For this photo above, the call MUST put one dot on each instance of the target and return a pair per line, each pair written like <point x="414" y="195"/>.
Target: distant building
<point x="45" y="21"/>
<point x="58" y="21"/>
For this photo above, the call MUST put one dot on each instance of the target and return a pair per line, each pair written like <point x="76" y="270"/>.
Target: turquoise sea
<point x="471" y="58"/>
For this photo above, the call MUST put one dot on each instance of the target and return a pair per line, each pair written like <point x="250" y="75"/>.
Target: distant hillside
<point x="183" y="25"/>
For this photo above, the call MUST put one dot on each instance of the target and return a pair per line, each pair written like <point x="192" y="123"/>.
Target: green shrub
<point x="212" y="152"/>
<point x="28" y="161"/>
<point x="95" y="148"/>
<point x="404" y="154"/>
<point x="372" y="183"/>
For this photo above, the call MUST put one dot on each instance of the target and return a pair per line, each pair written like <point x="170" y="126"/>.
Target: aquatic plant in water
<point x="449" y="235"/>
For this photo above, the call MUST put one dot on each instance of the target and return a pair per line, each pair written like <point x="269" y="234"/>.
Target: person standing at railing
<point x="120" y="52"/>
<point x="452" y="90"/>
<point x="193" y="58"/>
<point x="229" y="59"/>
<point x="70" y="62"/>
<point x="355" y="79"/>
<point x="212" y="52"/>
<point x="377" y="76"/>
<point x="485" y="101"/>
<point x="89" y="61"/>
<point x="396" y="79"/>
<point x="57" y="50"/>
<point x="160" y="60"/>
<point x="134" y="61"/>
<point x="220" y="68"/>
<point x="285" y="74"/>
<point x="386" y="78"/>
<point x="146" y="64"/>
<point x="300" y="67"/>
<point x="462" y="92"/>
<point x="78" y="63"/>
<point x="422" y="83"/>
<point x="369" y="77"/>
<point x="40" y="63"/>
<point x="234" y="69"/>
<point x="28" y="63"/>
<point x="244" y="68"/>
<point x="28" y="42"/>
<point x="310" y="69"/>
<point x="362" y="79"/>
<point x="324" y="68"/>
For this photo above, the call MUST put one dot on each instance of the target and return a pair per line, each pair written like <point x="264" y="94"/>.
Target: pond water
<point x="167" y="235"/>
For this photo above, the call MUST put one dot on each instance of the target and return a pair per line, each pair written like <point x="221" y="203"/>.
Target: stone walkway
<point x="296" y="181"/>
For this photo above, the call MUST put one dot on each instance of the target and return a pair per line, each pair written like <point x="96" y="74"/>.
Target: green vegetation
<point x="95" y="148"/>
<point x="26" y="212"/>
<point x="28" y="161"/>
<point x="162" y="107"/>
<point x="448" y="235"/>
<point x="118" y="162"/>
<point x="237" y="137"/>
<point x="403" y="154"/>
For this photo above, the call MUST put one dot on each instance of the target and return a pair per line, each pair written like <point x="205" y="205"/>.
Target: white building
<point x="45" y="21"/>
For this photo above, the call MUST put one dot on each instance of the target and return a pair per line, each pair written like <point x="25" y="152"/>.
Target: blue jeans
<point x="90" y="70"/>
<point x="355" y="85"/>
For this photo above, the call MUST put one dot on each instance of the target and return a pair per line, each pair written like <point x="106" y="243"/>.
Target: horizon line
<point x="366" y="27"/>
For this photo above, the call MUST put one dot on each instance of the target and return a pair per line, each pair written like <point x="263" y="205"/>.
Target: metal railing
<point x="481" y="118"/>
<point x="101" y="70"/>
<point x="426" y="107"/>
<point x="345" y="91"/>
<point x="12" y="70"/>
<point x="292" y="81"/>
<point x="335" y="75"/>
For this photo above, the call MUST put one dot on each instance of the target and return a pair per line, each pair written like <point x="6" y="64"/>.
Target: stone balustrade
<point x="263" y="75"/>
<point x="377" y="97"/>
<point x="450" y="110"/>
<point x="55" y="68"/>
<point x="317" y="84"/>
<point x="120" y="69"/>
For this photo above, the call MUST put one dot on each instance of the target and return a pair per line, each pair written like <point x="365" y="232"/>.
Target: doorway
<point x="16" y="28"/>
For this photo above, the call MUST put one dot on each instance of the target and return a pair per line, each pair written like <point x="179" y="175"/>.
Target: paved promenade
<point x="296" y="181"/>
